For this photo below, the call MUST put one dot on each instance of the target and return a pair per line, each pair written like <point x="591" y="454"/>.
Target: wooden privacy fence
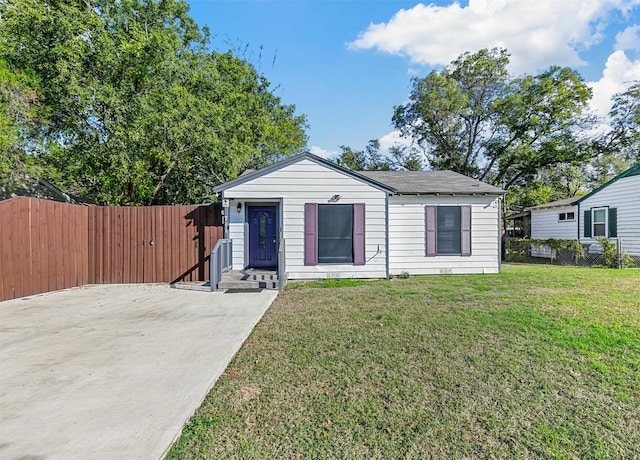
<point x="46" y="245"/>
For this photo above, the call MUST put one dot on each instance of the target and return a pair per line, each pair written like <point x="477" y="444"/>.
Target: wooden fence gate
<point x="46" y="245"/>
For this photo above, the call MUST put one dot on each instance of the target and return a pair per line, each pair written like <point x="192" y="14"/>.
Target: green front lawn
<point x="539" y="361"/>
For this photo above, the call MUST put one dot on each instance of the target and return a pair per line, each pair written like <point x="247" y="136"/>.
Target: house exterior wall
<point x="407" y="236"/>
<point x="623" y="195"/>
<point x="545" y="223"/>
<point x="309" y="182"/>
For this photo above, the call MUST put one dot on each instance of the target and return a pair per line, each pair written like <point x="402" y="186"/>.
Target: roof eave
<point x="499" y="192"/>
<point x="632" y="171"/>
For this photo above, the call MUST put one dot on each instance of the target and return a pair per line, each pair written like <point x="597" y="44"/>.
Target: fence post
<point x="619" y="252"/>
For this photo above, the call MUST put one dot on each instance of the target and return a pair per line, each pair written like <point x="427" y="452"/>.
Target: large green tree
<point x="372" y="159"/>
<point x="139" y="111"/>
<point x="625" y="124"/>
<point x="473" y="117"/>
<point x="20" y="117"/>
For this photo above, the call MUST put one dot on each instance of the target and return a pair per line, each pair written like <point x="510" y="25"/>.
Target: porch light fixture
<point x="335" y="197"/>
<point x="239" y="207"/>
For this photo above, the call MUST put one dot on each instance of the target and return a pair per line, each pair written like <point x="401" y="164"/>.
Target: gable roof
<point x="557" y="204"/>
<point x="395" y="182"/>
<point x="251" y="175"/>
<point x="632" y="171"/>
<point x="432" y="183"/>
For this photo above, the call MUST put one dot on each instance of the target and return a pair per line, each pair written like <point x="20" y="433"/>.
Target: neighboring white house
<point x="558" y="220"/>
<point x="337" y="223"/>
<point x="612" y="210"/>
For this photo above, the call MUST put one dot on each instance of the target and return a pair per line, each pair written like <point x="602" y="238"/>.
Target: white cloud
<point x="537" y="33"/>
<point x="393" y="138"/>
<point x="319" y="151"/>
<point x="628" y="39"/>
<point x="618" y="73"/>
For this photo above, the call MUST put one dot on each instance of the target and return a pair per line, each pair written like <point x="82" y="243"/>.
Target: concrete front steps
<point x="249" y="279"/>
<point x="238" y="280"/>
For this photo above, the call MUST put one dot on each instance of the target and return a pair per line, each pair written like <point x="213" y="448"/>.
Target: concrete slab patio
<point x="113" y="371"/>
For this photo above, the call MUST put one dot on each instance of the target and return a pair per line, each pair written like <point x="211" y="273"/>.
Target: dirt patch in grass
<point x="534" y="362"/>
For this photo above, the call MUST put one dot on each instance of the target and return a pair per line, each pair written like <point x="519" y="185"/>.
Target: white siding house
<point x="337" y="223"/>
<point x="613" y="210"/>
<point x="558" y="220"/>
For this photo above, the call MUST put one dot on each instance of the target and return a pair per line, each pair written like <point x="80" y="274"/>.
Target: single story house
<point x="611" y="210"/>
<point x="327" y="221"/>
<point x="557" y="219"/>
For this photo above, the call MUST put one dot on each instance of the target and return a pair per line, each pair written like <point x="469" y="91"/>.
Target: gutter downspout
<point x="501" y="228"/>
<point x="386" y="233"/>
<point x="578" y="219"/>
<point x="225" y="227"/>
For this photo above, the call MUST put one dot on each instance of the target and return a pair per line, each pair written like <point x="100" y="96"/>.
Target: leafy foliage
<point x="625" y="134"/>
<point x="474" y="118"/>
<point x="519" y="249"/>
<point x="372" y="159"/>
<point x="613" y="258"/>
<point x="138" y="111"/>
<point x="19" y="109"/>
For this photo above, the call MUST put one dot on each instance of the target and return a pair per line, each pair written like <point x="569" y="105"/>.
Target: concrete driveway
<point x="113" y="371"/>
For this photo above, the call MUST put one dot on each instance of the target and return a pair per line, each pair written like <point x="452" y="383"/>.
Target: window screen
<point x="449" y="230"/>
<point x="335" y="233"/>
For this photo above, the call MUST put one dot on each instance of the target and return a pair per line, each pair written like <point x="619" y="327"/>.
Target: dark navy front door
<point x="263" y="237"/>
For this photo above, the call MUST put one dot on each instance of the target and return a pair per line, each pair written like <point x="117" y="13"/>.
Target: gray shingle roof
<point x="400" y="182"/>
<point x="558" y="203"/>
<point x="430" y="182"/>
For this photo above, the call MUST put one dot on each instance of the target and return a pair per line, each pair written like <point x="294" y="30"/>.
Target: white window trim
<point x="593" y="222"/>
<point x="566" y="218"/>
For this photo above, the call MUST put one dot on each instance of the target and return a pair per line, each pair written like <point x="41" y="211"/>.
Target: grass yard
<point x="536" y="362"/>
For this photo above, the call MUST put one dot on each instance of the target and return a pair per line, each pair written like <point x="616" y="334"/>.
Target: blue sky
<point x="346" y="64"/>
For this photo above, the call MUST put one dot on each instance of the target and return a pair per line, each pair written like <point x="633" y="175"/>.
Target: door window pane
<point x="335" y="233"/>
<point x="262" y="231"/>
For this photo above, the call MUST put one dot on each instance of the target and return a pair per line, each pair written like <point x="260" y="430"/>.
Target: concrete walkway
<point x="113" y="371"/>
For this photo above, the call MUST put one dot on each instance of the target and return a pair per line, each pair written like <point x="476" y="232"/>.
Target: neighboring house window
<point x="334" y="234"/>
<point x="600" y="222"/>
<point x="448" y="230"/>
<point x="566" y="216"/>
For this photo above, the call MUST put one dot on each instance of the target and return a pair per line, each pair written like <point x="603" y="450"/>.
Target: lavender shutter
<point x="465" y="229"/>
<point x="310" y="233"/>
<point x="358" y="234"/>
<point x="431" y="231"/>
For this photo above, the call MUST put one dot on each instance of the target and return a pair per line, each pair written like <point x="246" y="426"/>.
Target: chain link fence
<point x="611" y="252"/>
